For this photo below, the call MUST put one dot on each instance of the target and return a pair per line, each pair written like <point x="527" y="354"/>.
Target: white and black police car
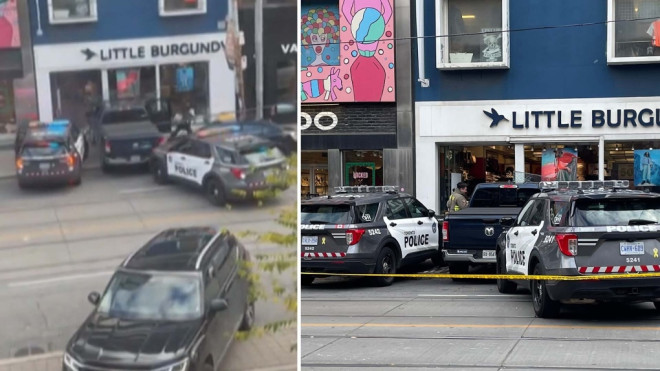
<point x="224" y="165"/>
<point x="366" y="229"/>
<point x="588" y="228"/>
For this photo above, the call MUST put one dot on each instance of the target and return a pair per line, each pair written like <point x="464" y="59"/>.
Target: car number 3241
<point x="633" y="260"/>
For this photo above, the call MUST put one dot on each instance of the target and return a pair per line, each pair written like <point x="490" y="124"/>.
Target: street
<point x="57" y="245"/>
<point x="467" y="325"/>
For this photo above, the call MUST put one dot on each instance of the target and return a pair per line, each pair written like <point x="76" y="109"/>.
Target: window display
<point x="185" y="86"/>
<point x="641" y="36"/>
<point x="72" y="10"/>
<point x="132" y="83"/>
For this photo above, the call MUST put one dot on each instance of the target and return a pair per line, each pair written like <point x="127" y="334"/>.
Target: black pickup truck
<point x="127" y="135"/>
<point x="470" y="235"/>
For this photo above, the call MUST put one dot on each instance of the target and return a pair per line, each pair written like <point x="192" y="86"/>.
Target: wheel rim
<point x="249" y="314"/>
<point x="538" y="293"/>
<point x="387" y="264"/>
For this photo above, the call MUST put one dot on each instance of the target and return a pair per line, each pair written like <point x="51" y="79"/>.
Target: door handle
<point x="182" y="158"/>
<point x="206" y="162"/>
<point x="420" y="222"/>
<point x="516" y="233"/>
<point x="534" y="232"/>
<point x="392" y="224"/>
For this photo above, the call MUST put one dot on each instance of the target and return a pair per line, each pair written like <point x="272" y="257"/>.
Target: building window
<point x="633" y="31"/>
<point x="475" y="34"/>
<point x="137" y="83"/>
<point x="186" y="86"/>
<point x="72" y="11"/>
<point x="181" y="7"/>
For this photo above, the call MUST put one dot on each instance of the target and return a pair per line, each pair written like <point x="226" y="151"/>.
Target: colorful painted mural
<point x="9" y="34"/>
<point x="359" y="66"/>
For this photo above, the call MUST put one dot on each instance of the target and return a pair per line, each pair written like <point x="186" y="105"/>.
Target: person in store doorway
<point x="458" y="200"/>
<point x="646" y="167"/>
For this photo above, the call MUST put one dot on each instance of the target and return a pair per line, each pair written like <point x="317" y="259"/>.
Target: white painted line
<point x="142" y="190"/>
<point x="465" y="296"/>
<point x="34" y="358"/>
<point x="58" y="279"/>
<point x="278" y="368"/>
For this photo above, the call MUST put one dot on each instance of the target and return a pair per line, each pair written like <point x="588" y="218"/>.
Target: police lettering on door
<point x="410" y="239"/>
<point x="185" y="171"/>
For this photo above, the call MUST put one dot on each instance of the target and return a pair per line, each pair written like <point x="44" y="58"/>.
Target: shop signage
<point x="360" y="175"/>
<point x="154" y="51"/>
<point x="289" y="48"/>
<point x="573" y="119"/>
<point x="307" y="121"/>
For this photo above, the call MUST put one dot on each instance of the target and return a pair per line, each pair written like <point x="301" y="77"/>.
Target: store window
<point x="132" y="83"/>
<point x="363" y="168"/>
<point x="182" y="7"/>
<point x="313" y="174"/>
<point x="476" y="26"/>
<point x="72" y="11"/>
<point x="186" y="86"/>
<point x="634" y="36"/>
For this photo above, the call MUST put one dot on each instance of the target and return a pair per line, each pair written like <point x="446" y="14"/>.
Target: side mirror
<point x="431" y="213"/>
<point x="94" y="297"/>
<point x="508" y="222"/>
<point x="218" y="305"/>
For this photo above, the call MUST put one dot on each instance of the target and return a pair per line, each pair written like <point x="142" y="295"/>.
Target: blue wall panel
<point x="553" y="63"/>
<point x="126" y="19"/>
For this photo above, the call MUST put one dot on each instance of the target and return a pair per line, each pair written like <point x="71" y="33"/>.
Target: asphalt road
<point x="57" y="245"/>
<point x="426" y="323"/>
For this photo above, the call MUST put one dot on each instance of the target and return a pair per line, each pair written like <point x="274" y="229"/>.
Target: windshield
<point x="139" y="296"/>
<point x="43" y="149"/>
<point x="257" y="156"/>
<point x="616" y="211"/>
<point x="502" y="197"/>
<point x="325" y="214"/>
<point x="115" y="117"/>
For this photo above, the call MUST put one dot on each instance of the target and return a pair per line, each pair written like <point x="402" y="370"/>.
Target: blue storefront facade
<point x="531" y="89"/>
<point x="89" y="51"/>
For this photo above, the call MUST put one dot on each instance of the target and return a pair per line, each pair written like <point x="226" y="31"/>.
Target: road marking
<point x="465" y="296"/>
<point x="478" y="326"/>
<point x="58" y="279"/>
<point x="142" y="190"/>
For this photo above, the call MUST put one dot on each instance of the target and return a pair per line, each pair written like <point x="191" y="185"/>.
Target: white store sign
<point x="115" y="54"/>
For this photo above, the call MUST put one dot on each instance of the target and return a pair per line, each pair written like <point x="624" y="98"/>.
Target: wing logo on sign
<point x="489" y="231"/>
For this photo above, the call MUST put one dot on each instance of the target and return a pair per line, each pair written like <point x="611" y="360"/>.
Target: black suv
<point x="590" y="228"/>
<point x="173" y="305"/>
<point x="366" y="230"/>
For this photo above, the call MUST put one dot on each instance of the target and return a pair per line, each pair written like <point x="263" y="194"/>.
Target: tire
<point x="215" y="192"/>
<point x="385" y="264"/>
<point x="306" y="280"/>
<point x="458" y="268"/>
<point x="438" y="260"/>
<point x="105" y="168"/>
<point x="544" y="306"/>
<point x="22" y="185"/>
<point x="248" y="318"/>
<point x="78" y="181"/>
<point x="504" y="286"/>
<point x="158" y="172"/>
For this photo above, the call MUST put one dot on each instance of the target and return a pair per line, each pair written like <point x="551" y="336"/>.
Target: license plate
<point x="44" y="167"/>
<point x="310" y="240"/>
<point x="631" y="248"/>
<point x="135" y="158"/>
<point x="488" y="254"/>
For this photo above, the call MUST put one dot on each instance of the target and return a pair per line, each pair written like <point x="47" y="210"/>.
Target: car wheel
<point x="215" y="192"/>
<point x="458" y="268"/>
<point x="159" y="172"/>
<point x="437" y="259"/>
<point x="306" y="279"/>
<point x="544" y="306"/>
<point x="504" y="286"/>
<point x="21" y="185"/>
<point x="385" y="264"/>
<point x="248" y="318"/>
<point x="78" y="181"/>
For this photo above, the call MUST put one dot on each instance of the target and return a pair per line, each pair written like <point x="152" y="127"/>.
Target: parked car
<point x="590" y="228"/>
<point x="470" y="235"/>
<point x="173" y="305"/>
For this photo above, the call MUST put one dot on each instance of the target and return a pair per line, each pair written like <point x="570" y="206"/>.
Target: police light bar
<point x="368" y="189"/>
<point x="586" y="184"/>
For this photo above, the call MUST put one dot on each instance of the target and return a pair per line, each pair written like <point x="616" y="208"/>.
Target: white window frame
<point x="178" y="13"/>
<point x="611" y="43"/>
<point x="442" y="42"/>
<point x="93" y="15"/>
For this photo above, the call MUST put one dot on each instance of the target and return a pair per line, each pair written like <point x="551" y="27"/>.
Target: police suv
<point x="589" y="228"/>
<point x="223" y="165"/>
<point x="366" y="230"/>
<point x="49" y="153"/>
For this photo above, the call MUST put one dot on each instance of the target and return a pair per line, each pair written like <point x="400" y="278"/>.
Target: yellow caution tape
<point x="496" y="276"/>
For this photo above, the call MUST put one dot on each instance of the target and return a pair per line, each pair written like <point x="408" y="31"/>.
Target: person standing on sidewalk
<point x="457" y="200"/>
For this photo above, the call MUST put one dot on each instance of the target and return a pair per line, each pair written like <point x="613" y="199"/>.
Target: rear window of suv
<point x="258" y="156"/>
<point x="43" y="149"/>
<point x="616" y="211"/>
<point x="502" y="197"/>
<point x="325" y="214"/>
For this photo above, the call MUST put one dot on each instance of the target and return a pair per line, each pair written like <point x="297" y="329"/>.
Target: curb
<point x="38" y="357"/>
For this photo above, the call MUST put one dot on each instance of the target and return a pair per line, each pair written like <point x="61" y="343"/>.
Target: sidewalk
<point x="267" y="353"/>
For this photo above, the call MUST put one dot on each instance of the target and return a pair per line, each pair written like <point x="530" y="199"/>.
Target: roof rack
<point x="584" y="185"/>
<point x="369" y="189"/>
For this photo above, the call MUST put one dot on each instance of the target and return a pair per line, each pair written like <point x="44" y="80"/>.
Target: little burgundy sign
<point x="619" y="118"/>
